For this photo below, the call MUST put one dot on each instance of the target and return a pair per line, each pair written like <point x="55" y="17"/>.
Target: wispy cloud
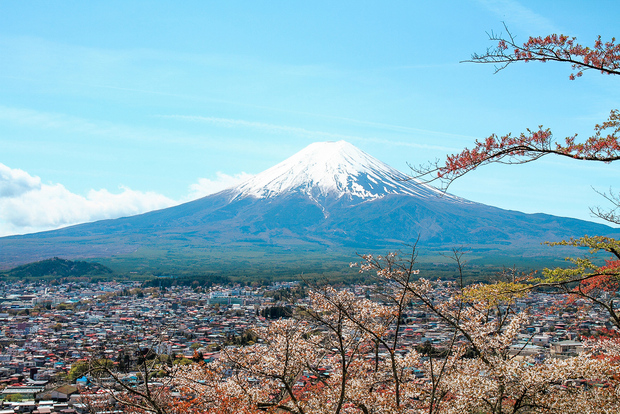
<point x="315" y="135"/>
<point x="118" y="132"/>
<point x="516" y="15"/>
<point x="105" y="131"/>
<point x="141" y="70"/>
<point x="56" y="121"/>
<point x="270" y="128"/>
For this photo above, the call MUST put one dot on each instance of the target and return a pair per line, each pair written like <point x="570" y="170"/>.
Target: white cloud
<point x="206" y="186"/>
<point x="14" y="182"/>
<point x="27" y="205"/>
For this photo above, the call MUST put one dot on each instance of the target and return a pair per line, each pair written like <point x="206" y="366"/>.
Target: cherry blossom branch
<point x="603" y="56"/>
<point x="602" y="146"/>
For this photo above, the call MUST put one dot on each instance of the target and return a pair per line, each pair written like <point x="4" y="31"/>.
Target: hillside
<point x="59" y="268"/>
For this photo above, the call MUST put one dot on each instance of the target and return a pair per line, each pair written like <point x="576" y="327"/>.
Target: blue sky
<point x="114" y="108"/>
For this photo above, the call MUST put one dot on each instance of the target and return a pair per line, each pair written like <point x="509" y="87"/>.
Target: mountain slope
<point x="329" y="197"/>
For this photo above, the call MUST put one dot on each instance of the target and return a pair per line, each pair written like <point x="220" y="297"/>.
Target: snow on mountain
<point x="334" y="170"/>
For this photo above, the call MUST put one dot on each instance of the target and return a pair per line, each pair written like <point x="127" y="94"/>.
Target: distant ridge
<point x="330" y="199"/>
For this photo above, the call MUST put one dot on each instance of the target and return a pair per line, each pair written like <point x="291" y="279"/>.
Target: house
<point x="25" y="391"/>
<point x="63" y="393"/>
<point x="564" y="349"/>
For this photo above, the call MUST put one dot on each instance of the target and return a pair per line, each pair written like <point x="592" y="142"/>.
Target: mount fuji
<point x="328" y="198"/>
<point x="333" y="170"/>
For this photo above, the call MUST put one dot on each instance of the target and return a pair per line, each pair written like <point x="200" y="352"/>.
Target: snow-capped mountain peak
<point x="332" y="169"/>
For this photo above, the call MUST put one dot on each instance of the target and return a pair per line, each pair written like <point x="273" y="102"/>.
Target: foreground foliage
<point x="344" y="354"/>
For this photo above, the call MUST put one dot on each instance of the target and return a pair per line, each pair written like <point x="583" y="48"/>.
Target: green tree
<point x="95" y="368"/>
<point x="14" y="398"/>
<point x="276" y="312"/>
<point x="78" y="370"/>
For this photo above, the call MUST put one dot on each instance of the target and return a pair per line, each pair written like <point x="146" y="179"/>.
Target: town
<point x="49" y="330"/>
